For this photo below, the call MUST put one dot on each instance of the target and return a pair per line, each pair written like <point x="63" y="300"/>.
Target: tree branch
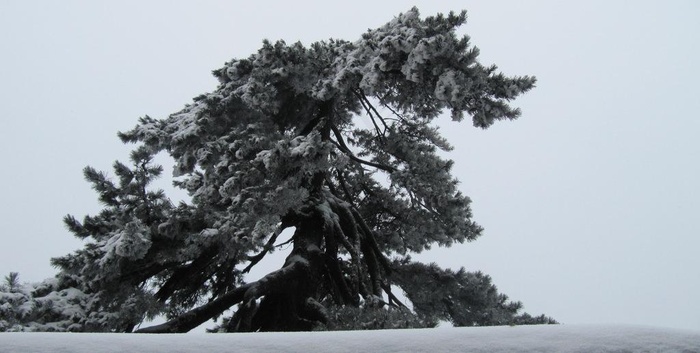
<point x="372" y="268"/>
<point x="183" y="274"/>
<point x="349" y="231"/>
<point x="200" y="315"/>
<point x="275" y="279"/>
<point x="392" y="297"/>
<point x="268" y="246"/>
<point x="245" y="293"/>
<point x="344" y="185"/>
<point x="369" y="104"/>
<point x="332" y="264"/>
<point x="393" y="111"/>
<point x="362" y="99"/>
<point x="344" y="148"/>
<point x="369" y="236"/>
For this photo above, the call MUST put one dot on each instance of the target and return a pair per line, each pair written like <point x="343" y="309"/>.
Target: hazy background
<point x="590" y="200"/>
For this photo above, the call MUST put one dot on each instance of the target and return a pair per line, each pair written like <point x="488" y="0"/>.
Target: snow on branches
<point x="279" y="144"/>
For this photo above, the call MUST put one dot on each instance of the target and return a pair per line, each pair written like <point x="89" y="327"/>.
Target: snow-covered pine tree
<point x="11" y="282"/>
<point x="281" y="144"/>
<point x="126" y="251"/>
<point x="50" y="305"/>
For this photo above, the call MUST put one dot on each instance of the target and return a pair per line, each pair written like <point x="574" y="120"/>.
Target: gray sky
<point x="590" y="200"/>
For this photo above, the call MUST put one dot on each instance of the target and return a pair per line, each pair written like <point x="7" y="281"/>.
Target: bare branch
<point x="369" y="110"/>
<point x="268" y="246"/>
<point x="371" y="106"/>
<point x="392" y="297"/>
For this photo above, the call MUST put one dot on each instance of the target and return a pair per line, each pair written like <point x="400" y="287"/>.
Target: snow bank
<point x="556" y="338"/>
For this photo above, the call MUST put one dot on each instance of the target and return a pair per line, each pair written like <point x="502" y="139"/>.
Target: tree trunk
<point x="289" y="303"/>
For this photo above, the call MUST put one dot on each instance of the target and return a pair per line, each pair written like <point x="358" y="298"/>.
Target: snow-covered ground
<point x="556" y="338"/>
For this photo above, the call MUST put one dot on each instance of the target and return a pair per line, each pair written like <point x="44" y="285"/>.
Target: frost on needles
<point x="335" y="141"/>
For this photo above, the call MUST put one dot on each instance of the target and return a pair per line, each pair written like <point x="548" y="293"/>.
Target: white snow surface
<point x="552" y="338"/>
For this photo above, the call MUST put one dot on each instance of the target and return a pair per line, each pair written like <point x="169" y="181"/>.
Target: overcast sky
<point x="590" y="200"/>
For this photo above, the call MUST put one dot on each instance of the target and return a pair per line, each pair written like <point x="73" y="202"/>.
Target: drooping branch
<point x="331" y="237"/>
<point x="372" y="268"/>
<point x="351" y="228"/>
<point x="371" y="241"/>
<point x="343" y="210"/>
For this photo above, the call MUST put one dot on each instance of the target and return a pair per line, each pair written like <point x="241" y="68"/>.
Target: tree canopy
<point x="336" y="141"/>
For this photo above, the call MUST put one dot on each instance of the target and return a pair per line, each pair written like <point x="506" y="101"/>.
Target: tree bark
<point x="285" y="305"/>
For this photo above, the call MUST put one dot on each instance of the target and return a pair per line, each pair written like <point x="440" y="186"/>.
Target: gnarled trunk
<point x="289" y="299"/>
<point x="288" y="302"/>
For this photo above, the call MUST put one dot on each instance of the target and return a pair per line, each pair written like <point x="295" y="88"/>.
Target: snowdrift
<point x="555" y="338"/>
